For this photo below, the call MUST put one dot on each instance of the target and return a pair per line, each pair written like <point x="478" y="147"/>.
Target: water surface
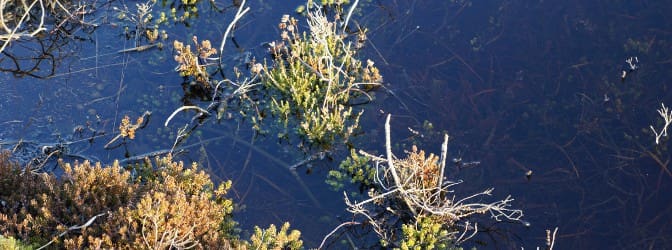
<point x="519" y="85"/>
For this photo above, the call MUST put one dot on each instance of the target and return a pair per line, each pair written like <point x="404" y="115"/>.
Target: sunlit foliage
<point x="272" y="239"/>
<point x="191" y="63"/>
<point x="314" y="77"/>
<point x="91" y="206"/>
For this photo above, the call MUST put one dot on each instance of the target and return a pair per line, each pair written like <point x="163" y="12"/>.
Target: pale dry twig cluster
<point x="418" y="183"/>
<point x="665" y="113"/>
<point x="13" y="29"/>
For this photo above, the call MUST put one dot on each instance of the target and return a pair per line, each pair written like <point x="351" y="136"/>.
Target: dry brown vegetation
<point x="414" y="189"/>
<point x="109" y="207"/>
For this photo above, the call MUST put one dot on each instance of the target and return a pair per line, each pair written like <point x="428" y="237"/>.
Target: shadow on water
<point x="531" y="89"/>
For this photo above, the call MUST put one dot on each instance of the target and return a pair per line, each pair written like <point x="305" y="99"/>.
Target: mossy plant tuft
<point x="314" y="77"/>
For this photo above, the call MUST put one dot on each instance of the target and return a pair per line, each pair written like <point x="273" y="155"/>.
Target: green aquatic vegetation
<point x="141" y="23"/>
<point x="428" y="233"/>
<point x="354" y="169"/>
<point x="308" y="86"/>
<point x="146" y="21"/>
<point x="334" y="2"/>
<point x="272" y="239"/>
<point x="183" y="10"/>
<point x="335" y="5"/>
<point x="314" y="77"/>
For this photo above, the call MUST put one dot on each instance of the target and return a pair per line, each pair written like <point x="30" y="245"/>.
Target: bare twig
<point x="336" y="229"/>
<point x="347" y="19"/>
<point x="390" y="164"/>
<point x="444" y="155"/>
<point x="388" y="149"/>
<point x="239" y="14"/>
<point x="13" y="34"/>
<point x="550" y="240"/>
<point x="463" y="237"/>
<point x="181" y="109"/>
<point x="665" y="113"/>
<point x="88" y="223"/>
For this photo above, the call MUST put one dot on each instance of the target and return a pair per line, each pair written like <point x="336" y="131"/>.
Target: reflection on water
<point x="531" y="89"/>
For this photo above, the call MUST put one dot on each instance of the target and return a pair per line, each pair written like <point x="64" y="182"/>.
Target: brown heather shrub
<point x="22" y="201"/>
<point x="174" y="208"/>
<point x="180" y="208"/>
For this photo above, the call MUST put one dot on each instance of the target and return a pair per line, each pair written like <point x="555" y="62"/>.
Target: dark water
<point x="519" y="85"/>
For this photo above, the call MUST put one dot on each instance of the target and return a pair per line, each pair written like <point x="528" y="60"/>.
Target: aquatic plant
<point x="413" y="205"/>
<point x="333" y="2"/>
<point x="145" y="22"/>
<point x="91" y="206"/>
<point x="128" y="129"/>
<point x="309" y="86"/>
<point x="190" y="64"/>
<point x="427" y="233"/>
<point x="183" y="10"/>
<point x="354" y="169"/>
<point x="336" y="5"/>
<point x="313" y="78"/>
<point x="140" y="22"/>
<point x="272" y="239"/>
